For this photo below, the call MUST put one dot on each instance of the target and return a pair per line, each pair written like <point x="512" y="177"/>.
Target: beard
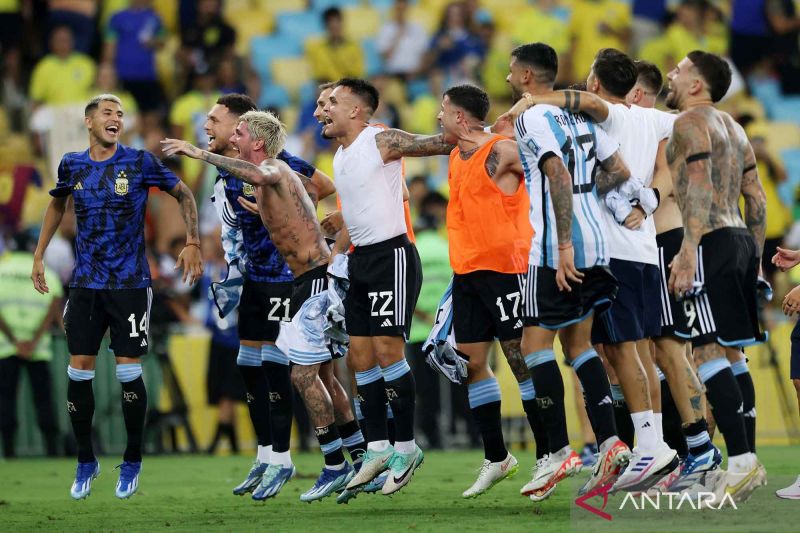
<point x="671" y="100"/>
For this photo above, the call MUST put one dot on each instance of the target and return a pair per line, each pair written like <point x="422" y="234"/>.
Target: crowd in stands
<point x="170" y="60"/>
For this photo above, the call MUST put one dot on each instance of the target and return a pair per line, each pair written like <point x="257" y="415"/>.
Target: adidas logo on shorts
<point x="144" y="342"/>
<point x="518" y="324"/>
<point x="386" y="323"/>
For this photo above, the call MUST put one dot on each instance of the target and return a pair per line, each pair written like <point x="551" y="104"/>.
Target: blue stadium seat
<point x="298" y="25"/>
<point x="308" y="92"/>
<point x="273" y="96"/>
<point x="372" y="58"/>
<point x="791" y="161"/>
<point x="786" y="109"/>
<point x="264" y="49"/>
<point x="767" y="90"/>
<point x="321" y="5"/>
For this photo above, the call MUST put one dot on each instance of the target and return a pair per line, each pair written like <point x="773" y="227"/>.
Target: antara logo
<point x="670" y="501"/>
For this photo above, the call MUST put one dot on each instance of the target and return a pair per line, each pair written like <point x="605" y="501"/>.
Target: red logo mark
<point x="597" y="491"/>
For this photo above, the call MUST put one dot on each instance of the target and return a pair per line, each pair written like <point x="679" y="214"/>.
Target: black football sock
<point x="528" y="393"/>
<point x="372" y="397"/>
<point x="280" y="401"/>
<point x="80" y="405"/>
<point x="622" y="416"/>
<point x="484" y="402"/>
<point x="549" y="396"/>
<point x="257" y="387"/>
<point x="746" y="386"/>
<point x="401" y="392"/>
<point x="134" y="408"/>
<point x="331" y="444"/>
<point x="353" y="439"/>
<point x="725" y="399"/>
<point x="597" y="392"/>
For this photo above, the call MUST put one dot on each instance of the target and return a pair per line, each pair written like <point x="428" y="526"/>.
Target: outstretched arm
<point x="612" y="172"/>
<point x="394" y="144"/>
<point x="52" y="219"/>
<point x="571" y="100"/>
<point x="190" y="257"/>
<point x="755" y="201"/>
<point x="264" y="174"/>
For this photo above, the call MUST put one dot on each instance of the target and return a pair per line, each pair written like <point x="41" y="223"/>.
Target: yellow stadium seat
<point x="168" y="11"/>
<point x="361" y="22"/>
<point x="249" y="23"/>
<point x="291" y="73"/>
<point x="425" y="17"/>
<point x="276" y="6"/>
<point x="289" y="116"/>
<point x="782" y="135"/>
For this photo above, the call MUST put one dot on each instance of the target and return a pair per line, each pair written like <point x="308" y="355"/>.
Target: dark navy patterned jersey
<point x="110" y="199"/>
<point x="264" y="261"/>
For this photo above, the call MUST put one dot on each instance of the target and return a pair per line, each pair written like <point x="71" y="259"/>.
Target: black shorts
<point x="262" y="307"/>
<point x="794" y="362"/>
<point x="126" y="312"/>
<point x="547" y="307"/>
<point x="307" y="285"/>
<point x="487" y="306"/>
<point x="673" y="317"/>
<point x="635" y="313"/>
<point x="223" y="379"/>
<point x="725" y="311"/>
<point x="385" y="279"/>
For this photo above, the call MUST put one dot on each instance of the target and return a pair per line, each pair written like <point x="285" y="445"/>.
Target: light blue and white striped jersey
<point x="544" y="131"/>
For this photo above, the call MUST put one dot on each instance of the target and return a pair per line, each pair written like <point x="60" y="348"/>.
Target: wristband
<point x="564" y="246"/>
<point x="192" y="244"/>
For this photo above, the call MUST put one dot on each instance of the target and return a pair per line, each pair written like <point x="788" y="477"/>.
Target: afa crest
<point x="121" y="184"/>
<point x="248" y="190"/>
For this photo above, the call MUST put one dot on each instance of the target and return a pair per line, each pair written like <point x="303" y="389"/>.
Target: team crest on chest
<point x="121" y="183"/>
<point x="248" y="190"/>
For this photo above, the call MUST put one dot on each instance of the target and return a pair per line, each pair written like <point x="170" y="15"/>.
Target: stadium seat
<point x="791" y="162"/>
<point x="786" y="109"/>
<point x="289" y="115"/>
<point x="361" y="22"/>
<point x="291" y="74"/>
<point x="782" y="136"/>
<point x="298" y="25"/>
<point x="384" y="5"/>
<point x="275" y="96"/>
<point x="308" y="92"/>
<point x="249" y="23"/>
<point x="265" y="48"/>
<point x="372" y="58"/>
<point x="321" y="5"/>
<point x="280" y="6"/>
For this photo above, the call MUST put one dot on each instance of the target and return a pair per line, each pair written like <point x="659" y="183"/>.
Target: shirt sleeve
<point x="606" y="146"/>
<point x="297" y="164"/>
<point x="533" y="132"/>
<point x="63" y="186"/>
<point x="665" y="121"/>
<point x="613" y="117"/>
<point x="157" y="175"/>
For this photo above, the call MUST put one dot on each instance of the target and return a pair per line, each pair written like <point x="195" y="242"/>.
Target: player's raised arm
<point x="394" y="144"/>
<point x="571" y="100"/>
<point x="755" y="200"/>
<point x="264" y="174"/>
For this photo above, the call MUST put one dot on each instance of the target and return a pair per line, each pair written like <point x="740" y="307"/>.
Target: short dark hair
<point x="327" y="85"/>
<point x="615" y="71"/>
<point x="540" y="56"/>
<point x="649" y="75"/>
<point x="363" y="89"/>
<point x="714" y="70"/>
<point x="433" y="198"/>
<point x="331" y="12"/>
<point x="471" y="99"/>
<point x="237" y="103"/>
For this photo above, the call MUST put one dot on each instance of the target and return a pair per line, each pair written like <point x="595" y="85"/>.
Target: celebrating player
<point x="568" y="163"/>
<point x="716" y="268"/>
<point x="110" y="287"/>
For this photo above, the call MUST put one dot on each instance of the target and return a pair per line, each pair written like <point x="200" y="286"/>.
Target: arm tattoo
<point x="492" y="161"/>
<point x="612" y="172"/>
<point x="692" y="180"/>
<point x="185" y="199"/>
<point x="244" y="170"/>
<point x="398" y="143"/>
<point x="755" y="202"/>
<point x="572" y="100"/>
<point x="561" y="194"/>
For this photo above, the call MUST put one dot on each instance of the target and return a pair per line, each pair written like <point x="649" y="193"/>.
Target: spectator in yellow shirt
<point x="596" y="24"/>
<point x="334" y="56"/>
<point x="63" y="76"/>
<point x="539" y="23"/>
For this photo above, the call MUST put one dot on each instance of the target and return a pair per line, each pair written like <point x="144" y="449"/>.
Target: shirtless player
<point x="288" y="213"/>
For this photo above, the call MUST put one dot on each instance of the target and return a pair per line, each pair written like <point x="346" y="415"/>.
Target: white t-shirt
<point x="407" y="55"/>
<point x="543" y="130"/>
<point x="371" y="192"/>
<point x="638" y="130"/>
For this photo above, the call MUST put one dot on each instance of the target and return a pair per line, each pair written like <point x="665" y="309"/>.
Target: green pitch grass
<point x="183" y="493"/>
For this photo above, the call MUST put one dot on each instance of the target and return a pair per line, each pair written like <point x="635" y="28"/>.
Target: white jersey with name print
<point x="638" y="131"/>
<point x="370" y="190"/>
<point x="543" y="131"/>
